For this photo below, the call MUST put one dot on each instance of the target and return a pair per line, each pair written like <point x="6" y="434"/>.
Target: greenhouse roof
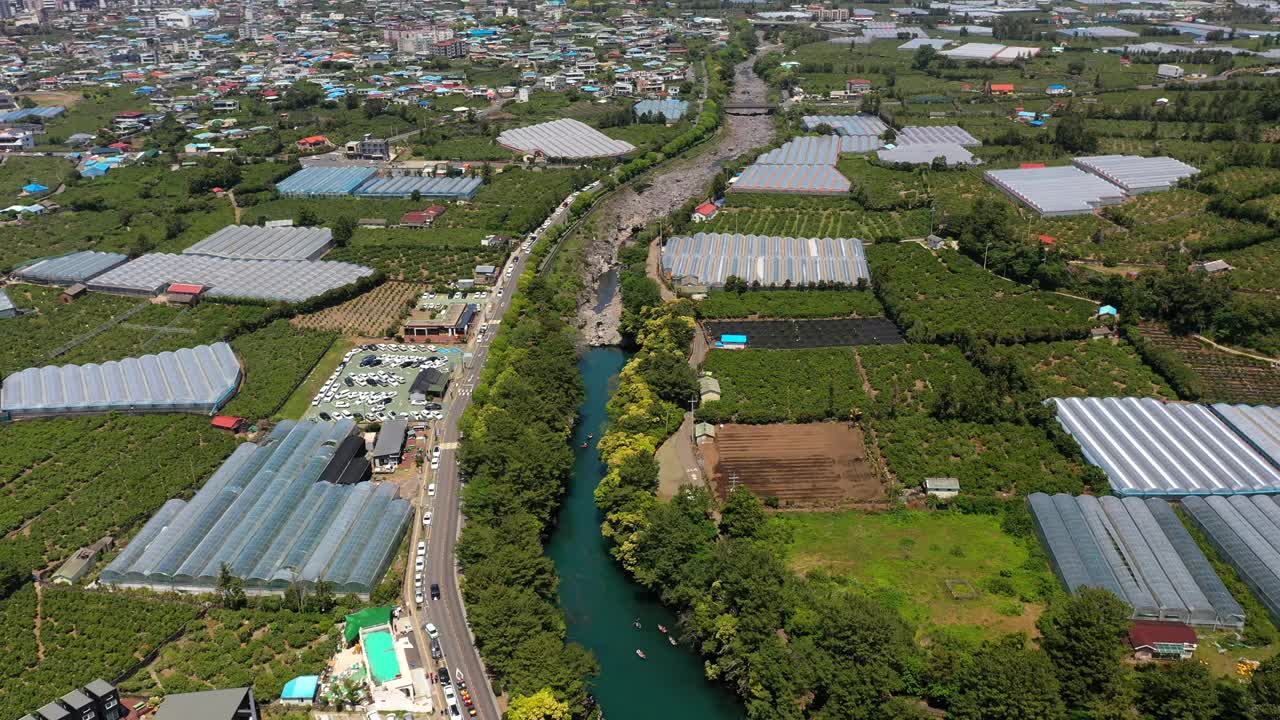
<point x="251" y="242"/>
<point x="324" y="181"/>
<point x="1136" y="174"/>
<point x="287" y="280"/>
<point x="403" y="187"/>
<point x="198" y="379"/>
<point x="670" y="108"/>
<point x="70" y="269"/>
<point x="710" y="258"/>
<point x="798" y="179"/>
<point x="265" y="516"/>
<point x="932" y="134"/>
<point x="1242" y="529"/>
<point x="1057" y="190"/>
<point x="822" y="150"/>
<point x="1139" y="551"/>
<point x="847" y="124"/>
<point x="563" y="138"/>
<point x="1150" y="447"/>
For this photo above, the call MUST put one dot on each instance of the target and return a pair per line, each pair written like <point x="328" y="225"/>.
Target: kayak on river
<point x="641" y="654"/>
<point x="662" y="629"/>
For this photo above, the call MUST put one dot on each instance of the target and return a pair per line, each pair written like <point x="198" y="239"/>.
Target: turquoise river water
<point x="601" y="602"/>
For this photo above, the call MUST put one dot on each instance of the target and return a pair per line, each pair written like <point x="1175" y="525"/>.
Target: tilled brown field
<point x="376" y="313"/>
<point x="810" y="464"/>
<point x="1225" y="377"/>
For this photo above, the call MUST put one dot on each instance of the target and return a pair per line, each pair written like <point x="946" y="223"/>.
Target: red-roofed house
<point x="1031" y="166"/>
<point x="1162" y="641"/>
<point x="315" y="142"/>
<point x="422" y="218"/>
<point x="186" y="288"/>
<point x="1001" y="88"/>
<point x="1048" y="239"/>
<point x="857" y="85"/>
<point x="230" y="423"/>
<point x="705" y="212"/>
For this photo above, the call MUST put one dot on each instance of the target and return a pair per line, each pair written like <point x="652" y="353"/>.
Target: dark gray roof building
<point x="234" y="704"/>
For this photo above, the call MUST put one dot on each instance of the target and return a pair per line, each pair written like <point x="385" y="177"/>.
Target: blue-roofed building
<point x="732" y="342"/>
<point x="320" y="182"/>
<point x="34" y="188"/>
<point x="300" y="690"/>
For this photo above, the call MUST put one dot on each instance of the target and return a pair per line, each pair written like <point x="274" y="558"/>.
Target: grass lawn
<point x="907" y="557"/>
<point x="296" y="406"/>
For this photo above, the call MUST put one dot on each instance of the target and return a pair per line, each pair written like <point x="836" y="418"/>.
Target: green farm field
<point x="907" y="558"/>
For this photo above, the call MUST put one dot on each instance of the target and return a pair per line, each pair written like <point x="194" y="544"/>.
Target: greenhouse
<point x="194" y="380"/>
<point x="265" y="515"/>
<point x="1243" y="529"/>
<point x="1139" y="551"/>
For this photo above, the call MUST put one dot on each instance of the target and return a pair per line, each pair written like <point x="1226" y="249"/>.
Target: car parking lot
<point x="372" y="383"/>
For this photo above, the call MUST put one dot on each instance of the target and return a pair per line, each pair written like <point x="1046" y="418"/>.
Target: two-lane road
<point x="448" y="613"/>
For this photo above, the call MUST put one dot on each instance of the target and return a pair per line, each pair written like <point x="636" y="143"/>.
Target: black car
<point x="436" y="651"/>
<point x="435" y="591"/>
<point x="326" y="416"/>
<point x="443" y="675"/>
<point x="433" y="406"/>
<point x="349" y="382"/>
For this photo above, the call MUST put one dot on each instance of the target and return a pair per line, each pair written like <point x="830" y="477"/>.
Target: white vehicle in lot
<point x="417" y="597"/>
<point x="420" y="565"/>
<point x="431" y="490"/>
<point x="432" y="632"/>
<point x="422" y="548"/>
<point x="426" y="518"/>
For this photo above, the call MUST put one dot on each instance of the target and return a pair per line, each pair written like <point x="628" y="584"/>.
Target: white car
<point x="431" y="490"/>
<point x="417" y="597"/>
<point x="417" y="582"/>
<point x="435" y="463"/>
<point x="420" y="565"/>
<point x="432" y="633"/>
<point x="426" y="518"/>
<point x="422" y="548"/>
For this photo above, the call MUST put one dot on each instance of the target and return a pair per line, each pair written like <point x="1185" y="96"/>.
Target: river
<point x="666" y="188"/>
<point x="600" y="601"/>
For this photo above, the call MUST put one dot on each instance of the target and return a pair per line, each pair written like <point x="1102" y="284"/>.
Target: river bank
<point x="601" y="602"/>
<point x="628" y="210"/>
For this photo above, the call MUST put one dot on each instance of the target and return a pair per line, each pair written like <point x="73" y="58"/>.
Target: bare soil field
<point x="376" y="313"/>
<point x="1224" y="376"/>
<point x="55" y="97"/>
<point x="816" y="464"/>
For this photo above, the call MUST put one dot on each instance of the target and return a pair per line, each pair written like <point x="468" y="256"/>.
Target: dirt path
<point x="627" y="210"/>
<point x="231" y="195"/>
<point x="1233" y="351"/>
<point x="678" y="461"/>
<point x="39" y="622"/>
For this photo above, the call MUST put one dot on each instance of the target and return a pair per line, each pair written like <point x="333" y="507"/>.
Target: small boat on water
<point x="636" y="623"/>
<point x="584" y="444"/>
<point x="641" y="654"/>
<point x="671" y="639"/>
<point x="662" y="629"/>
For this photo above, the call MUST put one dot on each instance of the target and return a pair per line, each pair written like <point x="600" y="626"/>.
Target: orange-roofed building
<point x="1001" y="88"/>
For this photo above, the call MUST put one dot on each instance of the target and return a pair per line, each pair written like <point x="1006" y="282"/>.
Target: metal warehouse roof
<point x="671" y="109"/>
<point x="71" y="269"/>
<point x="1129" y="547"/>
<point x="563" y="138"/>
<point x="403" y="187"/>
<point x="198" y="379"/>
<point x="287" y="280"/>
<point x="1149" y="447"/>
<point x="847" y="124"/>
<point x="1243" y="530"/>
<point x="251" y="242"/>
<point x="24" y="114"/>
<point x="858" y="144"/>
<point x="924" y="153"/>
<point x="1136" y="174"/>
<point x="265" y="516"/>
<point x="798" y="179"/>
<point x="823" y="150"/>
<point x="933" y="134"/>
<point x="710" y="258"/>
<point x="1058" y="190"/>
<point x="324" y="181"/>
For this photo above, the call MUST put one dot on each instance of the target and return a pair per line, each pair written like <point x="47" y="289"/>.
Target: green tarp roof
<point x="369" y="617"/>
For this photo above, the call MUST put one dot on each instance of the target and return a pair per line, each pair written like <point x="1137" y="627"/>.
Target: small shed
<point x="708" y="389"/>
<point x="1108" y="311"/>
<point x="79" y="565"/>
<point x="1213" y="267"/>
<point x="73" y="293"/>
<point x="704" y="432"/>
<point x="389" y="445"/>
<point x="942" y="488"/>
<point x="485" y="274"/>
<point x="230" y="423"/>
<point x="430" y="383"/>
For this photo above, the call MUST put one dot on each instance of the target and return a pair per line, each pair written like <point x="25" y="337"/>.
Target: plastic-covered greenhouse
<point x="195" y="380"/>
<point x="1139" y="552"/>
<point x="266" y="515"/>
<point x="1245" y="530"/>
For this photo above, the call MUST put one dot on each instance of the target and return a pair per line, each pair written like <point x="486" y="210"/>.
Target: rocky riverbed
<point x="626" y="210"/>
